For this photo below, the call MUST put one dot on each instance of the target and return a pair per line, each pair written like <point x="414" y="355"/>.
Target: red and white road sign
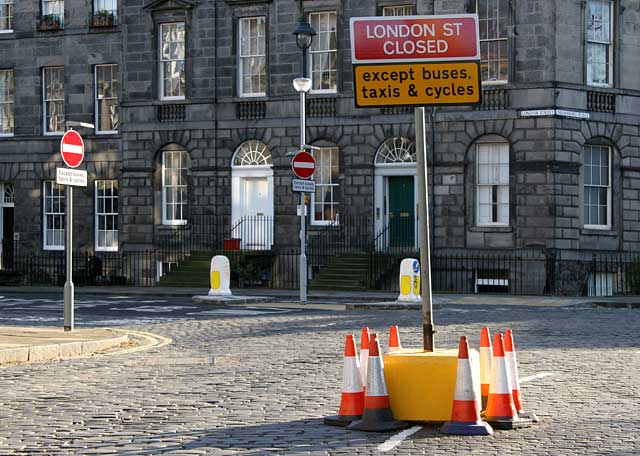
<point x="72" y="148"/>
<point x="415" y="38"/>
<point x="303" y="165"/>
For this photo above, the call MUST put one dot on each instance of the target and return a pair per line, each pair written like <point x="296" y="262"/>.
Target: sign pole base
<point x="69" y="290"/>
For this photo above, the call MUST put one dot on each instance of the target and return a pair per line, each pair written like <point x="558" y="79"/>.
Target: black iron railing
<point x="253" y="232"/>
<point x="519" y="272"/>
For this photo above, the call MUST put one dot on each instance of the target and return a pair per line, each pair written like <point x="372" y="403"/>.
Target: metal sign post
<point x="72" y="151"/>
<point x="423" y="233"/>
<point x="68" y="285"/>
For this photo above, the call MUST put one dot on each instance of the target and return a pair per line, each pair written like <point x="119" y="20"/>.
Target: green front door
<point x="401" y="211"/>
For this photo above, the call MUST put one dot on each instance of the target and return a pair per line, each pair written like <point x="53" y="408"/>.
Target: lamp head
<point x="304" y="35"/>
<point x="302" y="84"/>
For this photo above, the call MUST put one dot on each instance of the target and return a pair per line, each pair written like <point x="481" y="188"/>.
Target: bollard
<point x="220" y="276"/>
<point x="410" y="281"/>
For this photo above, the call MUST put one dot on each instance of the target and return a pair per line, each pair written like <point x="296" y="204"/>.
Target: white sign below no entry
<point x="303" y="185"/>
<point x="75" y="177"/>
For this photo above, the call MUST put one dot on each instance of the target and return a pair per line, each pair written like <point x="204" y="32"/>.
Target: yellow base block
<point x="421" y="385"/>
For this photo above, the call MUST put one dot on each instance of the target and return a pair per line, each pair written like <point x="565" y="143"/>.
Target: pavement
<point x="258" y="379"/>
<point x="36" y="344"/>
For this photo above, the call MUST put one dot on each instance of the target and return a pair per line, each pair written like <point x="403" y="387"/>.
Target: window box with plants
<point x="50" y="22"/>
<point x="103" y="18"/>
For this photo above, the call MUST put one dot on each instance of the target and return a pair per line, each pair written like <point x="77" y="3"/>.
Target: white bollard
<point x="409" y="280"/>
<point x="220" y="276"/>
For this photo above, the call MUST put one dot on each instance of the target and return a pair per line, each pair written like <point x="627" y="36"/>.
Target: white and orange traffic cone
<point x="465" y="412"/>
<point x="514" y="377"/>
<point x="485" y="365"/>
<point x="394" y="339"/>
<point x="365" y="336"/>
<point x="352" y="400"/>
<point x="501" y="413"/>
<point x="377" y="415"/>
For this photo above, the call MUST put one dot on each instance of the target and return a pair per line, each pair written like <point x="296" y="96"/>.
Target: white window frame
<point x="181" y="185"/>
<point x="495" y="40"/>
<point x="335" y="205"/>
<point x="102" y="216"/>
<point x="313" y="53"/>
<point x="480" y="147"/>
<point x="59" y="14"/>
<point x="46" y="100"/>
<point x="397" y="10"/>
<point x="7" y="97"/>
<point x="608" y="43"/>
<point x="243" y="26"/>
<point x="606" y="226"/>
<point x="101" y="5"/>
<point x="9" y="5"/>
<point x="57" y="192"/>
<point x="161" y="62"/>
<point x="98" y="98"/>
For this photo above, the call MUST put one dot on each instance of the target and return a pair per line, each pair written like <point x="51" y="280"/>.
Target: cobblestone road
<point x="277" y="375"/>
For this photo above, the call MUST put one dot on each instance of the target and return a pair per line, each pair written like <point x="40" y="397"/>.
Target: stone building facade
<point x="202" y="117"/>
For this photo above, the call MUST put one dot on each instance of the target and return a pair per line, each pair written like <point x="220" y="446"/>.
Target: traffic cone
<point x="394" y="339"/>
<point x="512" y="364"/>
<point x="364" y="354"/>
<point x="465" y="412"/>
<point x="352" y="400"/>
<point x="377" y="414"/>
<point x="485" y="365"/>
<point x="501" y="413"/>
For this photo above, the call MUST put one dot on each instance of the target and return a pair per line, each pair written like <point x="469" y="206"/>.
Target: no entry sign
<point x="303" y="165"/>
<point x="72" y="148"/>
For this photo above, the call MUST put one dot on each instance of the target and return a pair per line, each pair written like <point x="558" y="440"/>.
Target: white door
<point x="254" y="220"/>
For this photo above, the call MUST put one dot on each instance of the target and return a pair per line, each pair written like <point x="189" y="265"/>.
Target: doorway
<point x="401" y="212"/>
<point x="6" y="225"/>
<point x="395" y="195"/>
<point x="252" y="196"/>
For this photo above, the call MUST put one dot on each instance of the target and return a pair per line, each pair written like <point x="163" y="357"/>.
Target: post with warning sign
<point x="417" y="61"/>
<point x="72" y="151"/>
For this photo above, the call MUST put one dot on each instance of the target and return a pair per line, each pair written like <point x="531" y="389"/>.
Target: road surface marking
<point x="535" y="377"/>
<point x="156" y="309"/>
<point x="397" y="439"/>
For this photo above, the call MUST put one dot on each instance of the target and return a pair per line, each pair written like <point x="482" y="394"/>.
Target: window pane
<point x="174" y="189"/>
<point x="172" y="56"/>
<point x="323" y="55"/>
<point x="6" y="102"/>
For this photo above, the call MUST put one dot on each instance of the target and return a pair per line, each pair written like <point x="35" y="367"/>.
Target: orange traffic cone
<point x="394" y="339"/>
<point x="364" y="354"/>
<point x="352" y="400"/>
<point x="512" y="365"/>
<point x="377" y="414"/>
<point x="465" y="412"/>
<point x="501" y="413"/>
<point x="485" y="365"/>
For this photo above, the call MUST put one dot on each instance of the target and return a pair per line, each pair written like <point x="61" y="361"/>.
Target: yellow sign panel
<point x="417" y="84"/>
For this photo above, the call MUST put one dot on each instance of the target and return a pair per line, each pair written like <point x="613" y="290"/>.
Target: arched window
<point x="492" y="184"/>
<point x="596" y="182"/>
<point x="175" y="169"/>
<point x="396" y="150"/>
<point x="252" y="153"/>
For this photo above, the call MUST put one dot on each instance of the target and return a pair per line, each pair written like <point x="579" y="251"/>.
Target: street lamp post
<point x="304" y="36"/>
<point x="302" y="85"/>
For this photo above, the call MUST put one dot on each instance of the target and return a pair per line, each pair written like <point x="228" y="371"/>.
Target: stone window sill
<point x="491" y="229"/>
<point x="590" y="232"/>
